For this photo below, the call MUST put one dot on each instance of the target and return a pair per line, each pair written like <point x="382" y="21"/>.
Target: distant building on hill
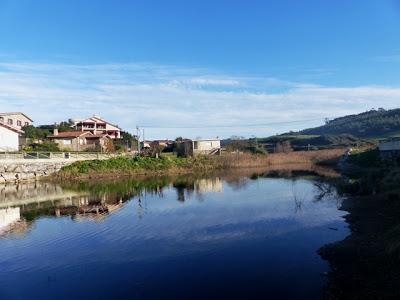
<point x="97" y="125"/>
<point x="392" y="145"/>
<point x="390" y="149"/>
<point x="79" y="141"/>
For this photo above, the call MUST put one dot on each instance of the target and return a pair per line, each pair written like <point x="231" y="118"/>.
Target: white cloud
<point x="168" y="96"/>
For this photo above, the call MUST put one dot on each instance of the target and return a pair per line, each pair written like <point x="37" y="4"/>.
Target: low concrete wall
<point x="55" y="155"/>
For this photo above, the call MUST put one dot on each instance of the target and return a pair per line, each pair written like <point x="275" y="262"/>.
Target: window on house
<point x="26" y="124"/>
<point x="67" y="142"/>
<point x="1" y="119"/>
<point x="10" y="122"/>
<point x="19" y="123"/>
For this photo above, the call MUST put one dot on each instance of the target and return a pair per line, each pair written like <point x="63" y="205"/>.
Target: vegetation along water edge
<point x="125" y="166"/>
<point x="365" y="265"/>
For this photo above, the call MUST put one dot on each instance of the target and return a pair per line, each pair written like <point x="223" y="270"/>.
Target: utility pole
<point x="138" y="139"/>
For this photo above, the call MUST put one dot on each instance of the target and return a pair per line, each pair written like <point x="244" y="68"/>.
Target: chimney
<point x="55" y="132"/>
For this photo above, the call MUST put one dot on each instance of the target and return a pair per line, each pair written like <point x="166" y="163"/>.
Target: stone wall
<point x="14" y="172"/>
<point x="17" y="167"/>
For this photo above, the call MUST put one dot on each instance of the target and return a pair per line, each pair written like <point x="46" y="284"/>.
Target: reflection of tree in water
<point x="184" y="188"/>
<point x="326" y="191"/>
<point x="300" y="195"/>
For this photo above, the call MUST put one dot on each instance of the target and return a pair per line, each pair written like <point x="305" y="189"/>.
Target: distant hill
<point x="350" y="131"/>
<point x="311" y="142"/>
<point x="371" y="124"/>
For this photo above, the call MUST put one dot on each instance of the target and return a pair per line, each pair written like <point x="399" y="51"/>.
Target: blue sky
<point x="252" y="66"/>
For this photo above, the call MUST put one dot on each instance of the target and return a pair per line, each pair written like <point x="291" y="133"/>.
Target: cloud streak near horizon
<point x="186" y="98"/>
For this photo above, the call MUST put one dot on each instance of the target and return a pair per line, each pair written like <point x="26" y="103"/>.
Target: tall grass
<point x="305" y="157"/>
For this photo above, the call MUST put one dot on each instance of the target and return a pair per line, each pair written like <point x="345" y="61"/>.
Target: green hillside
<point x="371" y="124"/>
<point x="310" y="142"/>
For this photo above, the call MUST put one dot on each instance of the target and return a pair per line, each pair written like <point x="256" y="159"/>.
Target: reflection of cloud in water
<point x="8" y="216"/>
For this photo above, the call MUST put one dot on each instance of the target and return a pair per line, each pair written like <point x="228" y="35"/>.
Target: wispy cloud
<point x="394" y="58"/>
<point x="168" y="96"/>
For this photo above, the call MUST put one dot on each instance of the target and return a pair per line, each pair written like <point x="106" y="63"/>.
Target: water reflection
<point x="229" y="235"/>
<point x="21" y="204"/>
<point x="90" y="200"/>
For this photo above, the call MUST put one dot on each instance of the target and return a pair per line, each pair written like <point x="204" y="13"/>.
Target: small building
<point x="165" y="145"/>
<point x="188" y="147"/>
<point x="390" y="149"/>
<point x="392" y="145"/>
<point x="79" y="141"/>
<point x="9" y="138"/>
<point x="15" y="119"/>
<point x="97" y="125"/>
<point x="145" y="144"/>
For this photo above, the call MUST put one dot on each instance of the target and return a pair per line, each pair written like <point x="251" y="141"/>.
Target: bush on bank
<point x="124" y="163"/>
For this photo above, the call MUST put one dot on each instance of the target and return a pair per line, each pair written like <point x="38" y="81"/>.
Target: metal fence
<point x="57" y="155"/>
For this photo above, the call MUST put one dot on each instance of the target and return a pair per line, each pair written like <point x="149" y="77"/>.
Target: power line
<point x="261" y="125"/>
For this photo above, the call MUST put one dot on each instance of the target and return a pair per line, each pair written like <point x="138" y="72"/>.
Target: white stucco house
<point x="198" y="147"/>
<point x="15" y="119"/>
<point x="9" y="138"/>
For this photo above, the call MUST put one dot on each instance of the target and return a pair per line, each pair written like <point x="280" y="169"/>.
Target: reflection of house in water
<point x="185" y="189"/>
<point x="33" y="200"/>
<point x="209" y="185"/>
<point x="92" y="201"/>
<point x="8" y="216"/>
<point x="89" y="207"/>
<point x="11" y="222"/>
<point x="34" y="192"/>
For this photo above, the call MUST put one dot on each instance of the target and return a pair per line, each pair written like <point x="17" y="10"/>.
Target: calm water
<point x="168" y="238"/>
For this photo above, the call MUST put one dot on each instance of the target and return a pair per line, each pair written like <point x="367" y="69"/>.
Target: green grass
<point x="129" y="165"/>
<point x="125" y="164"/>
<point x="367" y="159"/>
<point x="392" y="134"/>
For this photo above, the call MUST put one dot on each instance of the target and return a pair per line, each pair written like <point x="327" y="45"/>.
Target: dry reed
<point x="246" y="160"/>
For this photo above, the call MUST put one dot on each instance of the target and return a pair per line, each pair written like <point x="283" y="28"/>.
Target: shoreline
<point x="125" y="167"/>
<point x="284" y="168"/>
<point x="361" y="265"/>
<point x="366" y="264"/>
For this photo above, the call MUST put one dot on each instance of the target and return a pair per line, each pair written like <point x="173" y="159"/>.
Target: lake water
<point x="229" y="236"/>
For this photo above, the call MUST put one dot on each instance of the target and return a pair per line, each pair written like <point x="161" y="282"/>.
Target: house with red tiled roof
<point x="79" y="140"/>
<point x="97" y="125"/>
